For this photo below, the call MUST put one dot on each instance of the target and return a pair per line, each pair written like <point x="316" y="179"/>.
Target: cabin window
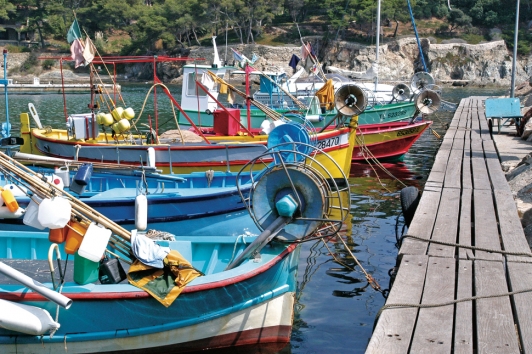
<point x="191" y="87"/>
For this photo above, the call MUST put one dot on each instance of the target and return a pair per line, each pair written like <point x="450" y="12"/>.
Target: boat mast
<point x="377" y="44"/>
<point x="516" y="33"/>
<point x="6" y="127"/>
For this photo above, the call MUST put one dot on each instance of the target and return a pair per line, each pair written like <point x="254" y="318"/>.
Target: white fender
<point x="26" y="319"/>
<point x="6" y="214"/>
<point x="34" y="115"/>
<point x="54" y="213"/>
<point x="151" y="157"/>
<point x="141" y="212"/>
<point x="17" y="191"/>
<point x="31" y="217"/>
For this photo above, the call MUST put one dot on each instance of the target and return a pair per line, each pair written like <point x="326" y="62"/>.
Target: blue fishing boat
<point x="172" y="202"/>
<point x="219" y="291"/>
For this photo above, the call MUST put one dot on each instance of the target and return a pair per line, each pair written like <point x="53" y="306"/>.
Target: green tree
<point x="457" y="18"/>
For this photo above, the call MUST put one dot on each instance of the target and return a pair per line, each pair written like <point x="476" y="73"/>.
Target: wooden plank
<point x="480" y="173"/>
<point x="464" y="236"/>
<point x="512" y="234"/>
<point x="463" y="328"/>
<point x="486" y="230"/>
<point x="520" y="278"/>
<point x="454" y="170"/>
<point x="458" y="144"/>
<point x="434" y="328"/>
<point x="467" y="181"/>
<point x="447" y="143"/>
<point x="440" y="161"/>
<point x="449" y="134"/>
<point x="394" y="328"/>
<point x="436" y="177"/>
<point x="422" y="224"/>
<point x="461" y="133"/>
<point x="495" y="323"/>
<point x="489" y="150"/>
<point x="497" y="177"/>
<point x="476" y="145"/>
<point x="446" y="224"/>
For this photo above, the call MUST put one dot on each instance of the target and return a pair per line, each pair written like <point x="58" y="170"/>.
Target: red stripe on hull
<point x="388" y="149"/>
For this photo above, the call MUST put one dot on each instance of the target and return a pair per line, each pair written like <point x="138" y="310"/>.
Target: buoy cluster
<point x="118" y="119"/>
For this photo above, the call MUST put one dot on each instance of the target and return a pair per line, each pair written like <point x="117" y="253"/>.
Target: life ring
<point x="409" y="201"/>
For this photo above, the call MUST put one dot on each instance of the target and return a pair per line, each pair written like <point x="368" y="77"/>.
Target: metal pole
<point x="7" y="125"/>
<point x="377" y="43"/>
<point x="516" y="35"/>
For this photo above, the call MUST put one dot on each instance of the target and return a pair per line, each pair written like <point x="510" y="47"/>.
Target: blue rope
<point x="417" y="36"/>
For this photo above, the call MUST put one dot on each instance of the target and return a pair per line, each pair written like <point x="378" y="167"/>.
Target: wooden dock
<point x="466" y="201"/>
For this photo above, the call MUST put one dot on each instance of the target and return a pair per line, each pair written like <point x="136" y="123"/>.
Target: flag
<point x="89" y="51"/>
<point x="237" y="56"/>
<point x="254" y="58"/>
<point x="294" y="61"/>
<point x="76" y="51"/>
<point x="248" y="69"/>
<point x="74" y="32"/>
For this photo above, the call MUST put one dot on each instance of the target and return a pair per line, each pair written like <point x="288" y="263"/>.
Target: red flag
<point x="76" y="52"/>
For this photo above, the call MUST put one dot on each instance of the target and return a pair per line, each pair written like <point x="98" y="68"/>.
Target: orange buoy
<point x="9" y="200"/>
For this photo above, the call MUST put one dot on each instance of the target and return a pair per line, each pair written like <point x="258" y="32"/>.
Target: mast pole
<point x="377" y="44"/>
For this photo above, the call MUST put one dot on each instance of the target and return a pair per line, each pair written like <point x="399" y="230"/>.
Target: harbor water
<point x="335" y="307"/>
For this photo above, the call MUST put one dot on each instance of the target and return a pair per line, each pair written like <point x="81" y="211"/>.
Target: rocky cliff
<point x="481" y="64"/>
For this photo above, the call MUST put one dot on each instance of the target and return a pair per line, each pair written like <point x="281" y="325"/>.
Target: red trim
<point x="102" y="296"/>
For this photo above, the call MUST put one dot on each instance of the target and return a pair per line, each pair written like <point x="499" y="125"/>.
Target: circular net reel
<point x="427" y="101"/>
<point x="420" y="81"/>
<point x="304" y="173"/>
<point x="401" y="92"/>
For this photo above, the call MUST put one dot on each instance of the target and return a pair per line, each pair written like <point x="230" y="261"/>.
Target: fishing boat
<point x="191" y="204"/>
<point x="230" y="292"/>
<point x="285" y="95"/>
<point x="388" y="141"/>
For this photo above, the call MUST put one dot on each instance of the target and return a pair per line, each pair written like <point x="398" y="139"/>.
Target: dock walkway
<point x="466" y="201"/>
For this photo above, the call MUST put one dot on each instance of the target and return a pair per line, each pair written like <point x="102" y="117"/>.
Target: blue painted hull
<point x="250" y="304"/>
<point x="181" y="208"/>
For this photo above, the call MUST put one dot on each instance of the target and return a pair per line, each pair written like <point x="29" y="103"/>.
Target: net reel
<point x="401" y="92"/>
<point x="427" y="101"/>
<point x="421" y="81"/>
<point x="350" y="100"/>
<point x="297" y="196"/>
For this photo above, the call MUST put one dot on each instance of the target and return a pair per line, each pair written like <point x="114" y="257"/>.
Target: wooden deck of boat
<point x="466" y="201"/>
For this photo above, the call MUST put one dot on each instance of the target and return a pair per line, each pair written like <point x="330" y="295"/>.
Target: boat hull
<point x="377" y="114"/>
<point x="223" y="154"/>
<point x="250" y="304"/>
<point x="387" y="141"/>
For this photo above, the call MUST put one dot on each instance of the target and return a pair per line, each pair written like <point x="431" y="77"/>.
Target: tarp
<point x="326" y="95"/>
<point x="165" y="284"/>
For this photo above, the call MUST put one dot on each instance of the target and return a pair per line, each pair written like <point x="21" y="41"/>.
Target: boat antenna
<point x="417" y="37"/>
<point x="216" y="61"/>
<point x="6" y="126"/>
<point x="377" y="44"/>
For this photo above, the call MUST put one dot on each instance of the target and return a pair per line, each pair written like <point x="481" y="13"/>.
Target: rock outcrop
<point x="481" y="64"/>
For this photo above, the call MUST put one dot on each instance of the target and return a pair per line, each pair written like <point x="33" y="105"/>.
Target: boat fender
<point x="54" y="213"/>
<point x="32" y="212"/>
<point x="117" y="113"/>
<point x="5" y="213"/>
<point x="141" y="212"/>
<point x="128" y="113"/>
<point x="26" y="319"/>
<point x="151" y="157"/>
<point x="409" y="201"/>
<point x="9" y="199"/>
<point x="17" y="191"/>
